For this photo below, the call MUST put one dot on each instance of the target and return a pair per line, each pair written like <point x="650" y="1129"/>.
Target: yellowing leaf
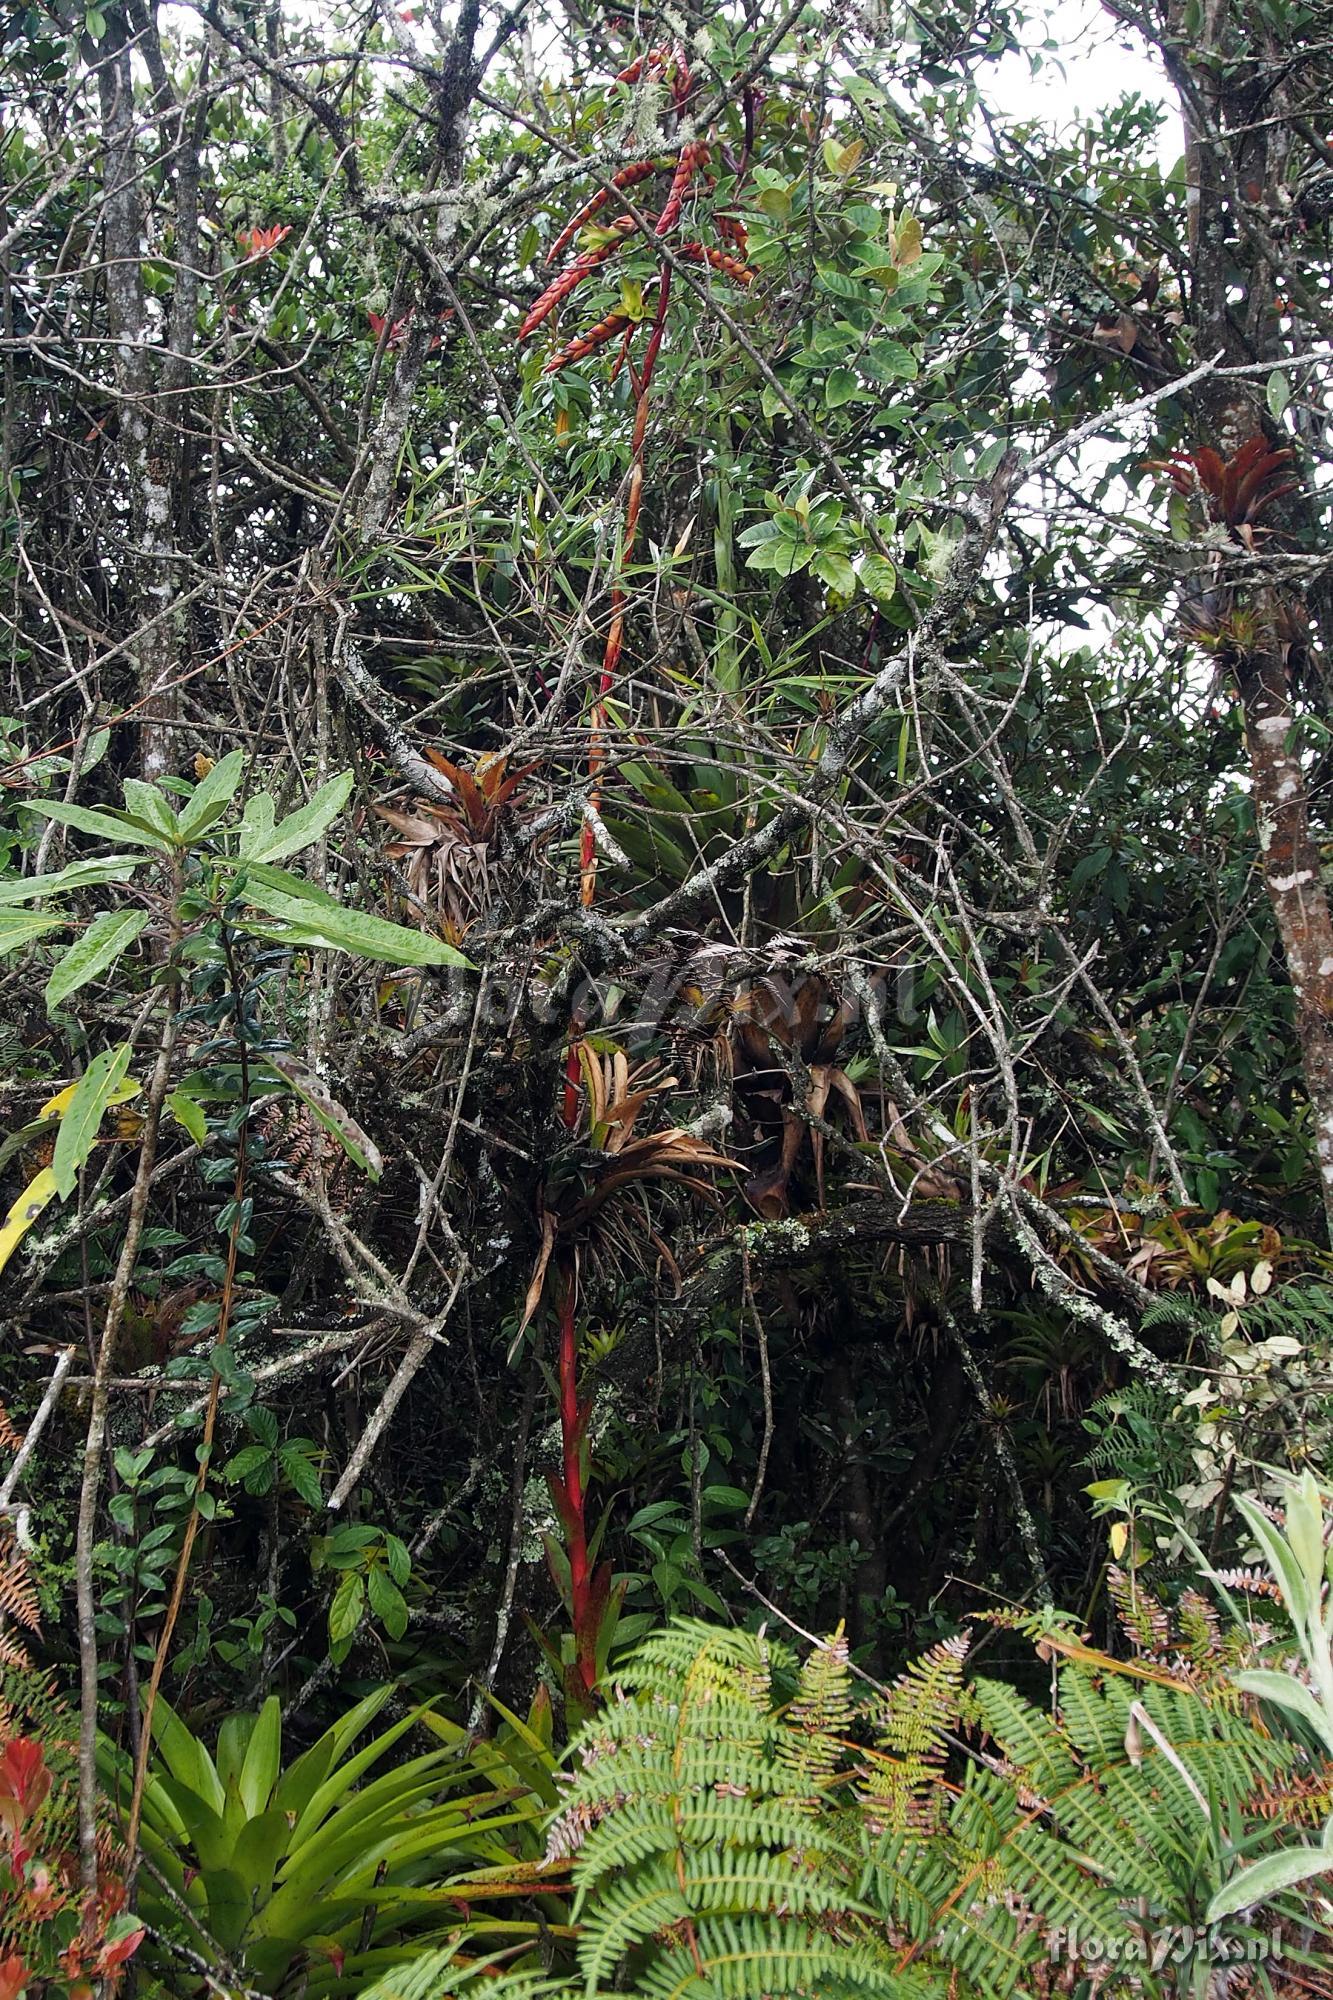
<point x="25" y="1211"/>
<point x="1119" y="1536"/>
<point x="56" y="1106"/>
<point x="907" y="239"/>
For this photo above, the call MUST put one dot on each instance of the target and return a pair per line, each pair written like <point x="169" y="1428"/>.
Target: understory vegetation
<point x="666" y="1000"/>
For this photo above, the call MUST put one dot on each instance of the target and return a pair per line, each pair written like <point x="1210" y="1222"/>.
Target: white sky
<point x="1096" y="64"/>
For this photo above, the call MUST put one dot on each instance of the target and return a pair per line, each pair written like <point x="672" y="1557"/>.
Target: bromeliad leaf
<point x="359" y="1147"/>
<point x="303" y="827"/>
<point x="101" y="945"/>
<point x="83" y="1115"/>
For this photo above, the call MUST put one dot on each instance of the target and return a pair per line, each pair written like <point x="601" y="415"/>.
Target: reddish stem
<point x="571" y="1442"/>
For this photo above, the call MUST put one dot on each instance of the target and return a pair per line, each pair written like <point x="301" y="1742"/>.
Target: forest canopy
<point x="666" y="999"/>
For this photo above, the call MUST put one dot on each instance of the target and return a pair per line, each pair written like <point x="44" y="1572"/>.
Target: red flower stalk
<point x="588" y="343"/>
<point x="627" y="177"/>
<point x="692" y="157"/>
<point x="571" y="278"/>
<point x="730" y="267"/>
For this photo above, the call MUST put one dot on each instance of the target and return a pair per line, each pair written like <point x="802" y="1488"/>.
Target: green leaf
<point x="263" y="1758"/>
<point x="347" y="1608"/>
<point x="83" y="1115"/>
<point x="879" y="577"/>
<point x="148" y="807"/>
<point x="359" y="1147"/>
<point x="79" y="875"/>
<point x="840" y="386"/>
<point x="1285" y="1691"/>
<point x="88" y="957"/>
<point x="1277" y="394"/>
<point x="303" y="827"/>
<point x="1266" y="1878"/>
<point x="20" y="927"/>
<point x="301" y="1475"/>
<point x="211" y="797"/>
<point x="836" y="572"/>
<point x="188" y="1114"/>
<point x="327" y="926"/>
<point x="106" y="825"/>
<point x="388" y="1603"/>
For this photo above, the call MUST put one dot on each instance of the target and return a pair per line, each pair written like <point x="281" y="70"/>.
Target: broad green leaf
<point x="303" y="827"/>
<point x="211" y="797"/>
<point x="150" y="808"/>
<point x="1285" y="1691"/>
<point x="387" y="1602"/>
<point x="259" y="1849"/>
<point x="20" y="927"/>
<point x="79" y="875"/>
<point x="83" y="1116"/>
<point x="36" y="1196"/>
<point x="88" y="957"/>
<point x="1266" y="1878"/>
<point x="263" y="1758"/>
<point x="188" y="1114"/>
<point x="1277" y="394"/>
<point x="879" y="577"/>
<point x="358" y="1145"/>
<point x="256" y="821"/>
<point x="330" y="927"/>
<point x="840" y="386"/>
<point x="347" y="1609"/>
<point x="185" y="1756"/>
<point x="106" y="825"/>
<point x="301" y="1475"/>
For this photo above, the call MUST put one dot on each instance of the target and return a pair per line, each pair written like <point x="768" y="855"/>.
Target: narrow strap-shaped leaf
<point x="79" y="875"/>
<point x="106" y="825"/>
<point x="83" y="1115"/>
<point x="20" y="927"/>
<point x="89" y="956"/>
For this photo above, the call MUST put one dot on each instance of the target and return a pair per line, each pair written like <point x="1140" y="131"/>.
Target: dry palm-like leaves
<point x="775" y="1027"/>
<point x="447" y="851"/>
<point x="586" y="1206"/>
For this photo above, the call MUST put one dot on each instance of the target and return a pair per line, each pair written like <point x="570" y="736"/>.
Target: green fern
<point x="746" y="1827"/>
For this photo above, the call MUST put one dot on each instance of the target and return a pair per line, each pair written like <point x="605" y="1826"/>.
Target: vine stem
<point x="94" y="1450"/>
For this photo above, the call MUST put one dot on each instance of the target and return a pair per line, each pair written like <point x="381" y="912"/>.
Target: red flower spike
<point x="730" y="267"/>
<point x="571" y="278"/>
<point x="692" y="157"/>
<point x="588" y="343"/>
<point x="627" y="177"/>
